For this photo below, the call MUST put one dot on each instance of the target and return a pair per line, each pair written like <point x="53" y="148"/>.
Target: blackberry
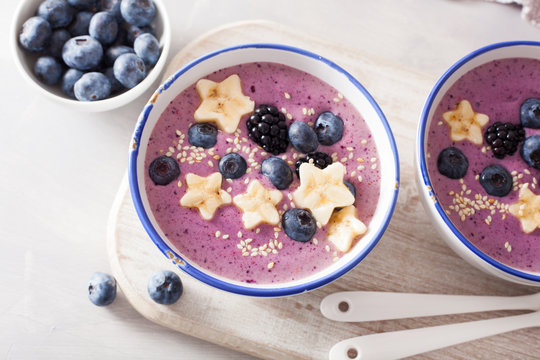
<point x="320" y="160"/>
<point x="504" y="138"/>
<point x="267" y="127"/>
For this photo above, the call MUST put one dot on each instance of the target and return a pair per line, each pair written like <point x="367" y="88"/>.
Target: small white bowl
<point x="455" y="239"/>
<point x="25" y="62"/>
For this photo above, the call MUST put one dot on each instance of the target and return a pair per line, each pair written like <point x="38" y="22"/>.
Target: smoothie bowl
<point x="478" y="159"/>
<point x="263" y="170"/>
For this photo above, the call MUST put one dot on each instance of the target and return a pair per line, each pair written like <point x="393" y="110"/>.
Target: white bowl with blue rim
<point x="453" y="237"/>
<point x="302" y="60"/>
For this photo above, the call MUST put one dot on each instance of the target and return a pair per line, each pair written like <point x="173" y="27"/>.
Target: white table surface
<point x="60" y="170"/>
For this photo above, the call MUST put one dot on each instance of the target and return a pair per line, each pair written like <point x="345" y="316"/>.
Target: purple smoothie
<point x="497" y="89"/>
<point x="216" y="245"/>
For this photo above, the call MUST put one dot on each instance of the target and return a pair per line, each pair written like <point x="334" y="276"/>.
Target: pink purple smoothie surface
<point x="497" y="89"/>
<point x="216" y="245"/>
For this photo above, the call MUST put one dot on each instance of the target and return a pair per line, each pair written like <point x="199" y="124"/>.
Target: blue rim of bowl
<point x="423" y="166"/>
<point x="182" y="263"/>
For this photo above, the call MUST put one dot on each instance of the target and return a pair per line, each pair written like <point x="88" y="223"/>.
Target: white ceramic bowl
<point x="455" y="239"/>
<point x="25" y="62"/>
<point x="299" y="59"/>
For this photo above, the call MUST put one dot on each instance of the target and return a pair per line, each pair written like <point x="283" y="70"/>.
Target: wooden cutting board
<point x="411" y="257"/>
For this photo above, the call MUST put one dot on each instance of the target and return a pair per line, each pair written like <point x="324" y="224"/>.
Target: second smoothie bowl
<point x="263" y="170"/>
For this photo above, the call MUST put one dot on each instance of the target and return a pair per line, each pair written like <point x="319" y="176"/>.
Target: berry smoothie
<point x="489" y="218"/>
<point x="222" y="245"/>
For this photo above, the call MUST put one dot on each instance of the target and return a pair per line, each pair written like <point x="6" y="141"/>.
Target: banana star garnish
<point x="322" y="190"/>
<point x="344" y="227"/>
<point x="223" y="103"/>
<point x="527" y="209"/>
<point x="465" y="123"/>
<point x="258" y="204"/>
<point x="205" y="194"/>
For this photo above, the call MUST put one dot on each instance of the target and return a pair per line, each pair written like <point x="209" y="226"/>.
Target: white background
<point x="60" y="170"/>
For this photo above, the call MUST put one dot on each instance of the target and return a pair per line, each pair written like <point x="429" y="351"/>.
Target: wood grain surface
<point x="411" y="256"/>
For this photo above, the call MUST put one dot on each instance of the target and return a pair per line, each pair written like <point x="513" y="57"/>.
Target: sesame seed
<point x="280" y="245"/>
<point x="287" y="95"/>
<point x="248" y="170"/>
<point x="360" y="178"/>
<point x="270" y="265"/>
<point x="353" y="174"/>
<point x="226" y="236"/>
<point x="230" y="181"/>
<point x="168" y="153"/>
<point x="315" y="241"/>
<point x="336" y="99"/>
<point x="327" y="248"/>
<point x="350" y="155"/>
<point x="373" y="167"/>
<point x="229" y="189"/>
<point x="343" y="160"/>
<point x="304" y="111"/>
<point x="513" y="172"/>
<point x="245" y="254"/>
<point x="290" y="162"/>
<point x="179" y="183"/>
<point x="283" y="110"/>
<point x="310" y="123"/>
<point x="240" y="247"/>
<point x="289" y="116"/>
<point x="178" y="156"/>
<point x="258" y="230"/>
<point x="477" y="177"/>
<point x="218" y="233"/>
<point x="246" y="181"/>
<point x="319" y="225"/>
<point x="520" y="176"/>
<point x="191" y="162"/>
<point x="526" y="171"/>
<point x="264" y="153"/>
<point x="210" y="163"/>
<point x="360" y="160"/>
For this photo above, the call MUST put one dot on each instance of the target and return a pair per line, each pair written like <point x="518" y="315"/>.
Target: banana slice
<point x="223" y="103"/>
<point x="322" y="190"/>
<point x="527" y="209"/>
<point x="465" y="124"/>
<point x="258" y="205"/>
<point x="205" y="194"/>
<point x="344" y="227"/>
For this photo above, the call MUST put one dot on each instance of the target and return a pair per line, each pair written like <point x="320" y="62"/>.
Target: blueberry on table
<point x="530" y="113"/>
<point x="319" y="159"/>
<point x="138" y="12"/>
<point x="299" y="224"/>
<point x="278" y="172"/>
<point x="35" y="34"/>
<point x="302" y="137"/>
<point x="329" y="128"/>
<point x="92" y="86"/>
<point x="101" y="289"/>
<point x="129" y="69"/>
<point x="82" y="52"/>
<point x="58" y="39"/>
<point x="146" y="47"/>
<point x="165" y="287"/>
<point x="81" y="22"/>
<point x="57" y="12"/>
<point x="83" y="4"/>
<point x="504" y="138"/>
<point x="103" y="27"/>
<point x="112" y="53"/>
<point x="530" y="151"/>
<point x="452" y="163"/>
<point x="496" y="180"/>
<point x="202" y="135"/>
<point x="267" y="127"/>
<point x="163" y="170"/>
<point x="48" y="70"/>
<point x="232" y="166"/>
<point x="71" y="76"/>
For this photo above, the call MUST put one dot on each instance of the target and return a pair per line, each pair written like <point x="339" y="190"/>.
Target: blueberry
<point x="101" y="289"/>
<point x="57" y="12"/>
<point x="115" y="84"/>
<point x="79" y="25"/>
<point x="299" y="224"/>
<point x="48" y="70"/>
<point x="165" y="287"/>
<point x="329" y="128"/>
<point x="530" y="113"/>
<point x="112" y="6"/>
<point x="138" y="12"/>
<point x="103" y="27"/>
<point x="82" y="52"/>
<point x="92" y="86"/>
<point x="202" y="135"/>
<point x="129" y="69"/>
<point x="163" y="170"/>
<point x="530" y="151"/>
<point x="452" y="163"/>
<point x="351" y="187"/>
<point x="496" y="180"/>
<point x="56" y="43"/>
<point x="68" y="81"/>
<point x="278" y="172"/>
<point x="232" y="166"/>
<point x="115" y="51"/>
<point x="302" y="137"/>
<point x="35" y="34"/>
<point x="83" y="4"/>
<point x="146" y="47"/>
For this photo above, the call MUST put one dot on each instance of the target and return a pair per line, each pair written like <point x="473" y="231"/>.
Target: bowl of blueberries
<point x="92" y="55"/>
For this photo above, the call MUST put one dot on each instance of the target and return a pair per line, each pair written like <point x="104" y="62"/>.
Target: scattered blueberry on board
<point x="278" y="172"/>
<point x="163" y="170"/>
<point x="101" y="289"/>
<point x="165" y="287"/>
<point x="89" y="36"/>
<point x="232" y="166"/>
<point x="299" y="224"/>
<point x="452" y="163"/>
<point x="496" y="180"/>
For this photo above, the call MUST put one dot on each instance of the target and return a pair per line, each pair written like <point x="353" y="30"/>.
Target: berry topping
<point x="163" y="170"/>
<point x="299" y="224"/>
<point x="530" y="151"/>
<point x="452" y="163"/>
<point x="496" y="180"/>
<point x="302" y="137"/>
<point x="319" y="159"/>
<point x="329" y="128"/>
<point x="530" y="113"/>
<point x="278" y="172"/>
<point x="351" y="187"/>
<point x="232" y="166"/>
<point x="165" y="287"/>
<point x="504" y="138"/>
<point x="267" y="127"/>
<point x="101" y="289"/>
<point x="203" y="135"/>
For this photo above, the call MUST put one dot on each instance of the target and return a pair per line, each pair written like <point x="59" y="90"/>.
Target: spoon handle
<point x="399" y="344"/>
<point x="351" y="306"/>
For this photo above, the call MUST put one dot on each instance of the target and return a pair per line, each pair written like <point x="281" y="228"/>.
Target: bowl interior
<point x="301" y="60"/>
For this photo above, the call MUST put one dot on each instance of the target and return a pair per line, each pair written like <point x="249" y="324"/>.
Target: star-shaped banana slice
<point x="527" y="209"/>
<point x="223" y="103"/>
<point x="322" y="190"/>
<point x="258" y="204"/>
<point x="344" y="227"/>
<point x="465" y="124"/>
<point x="205" y="194"/>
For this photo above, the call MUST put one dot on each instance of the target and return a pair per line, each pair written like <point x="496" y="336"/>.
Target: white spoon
<point x="352" y="306"/>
